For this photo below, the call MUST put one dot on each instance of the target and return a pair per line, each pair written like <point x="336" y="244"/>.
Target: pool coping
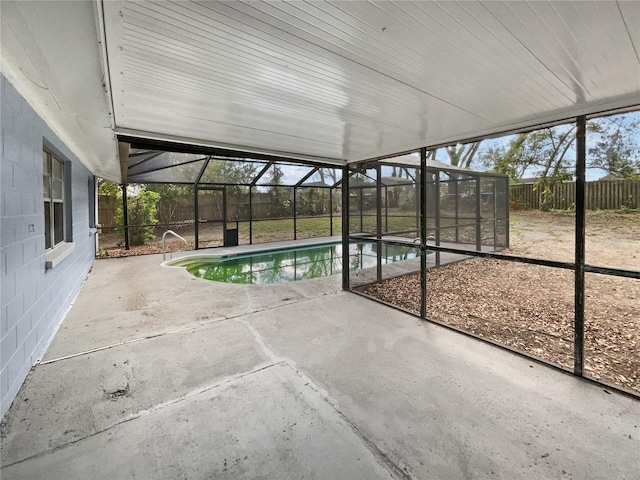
<point x="227" y="252"/>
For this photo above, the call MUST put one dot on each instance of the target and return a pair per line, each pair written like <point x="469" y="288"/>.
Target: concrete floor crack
<point x="162" y="334"/>
<point x="221" y="384"/>
<point x="396" y="471"/>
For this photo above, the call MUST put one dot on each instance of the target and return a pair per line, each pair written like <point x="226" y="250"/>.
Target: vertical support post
<point x="224" y="216"/>
<point x="196" y="215"/>
<point x="295" y="215"/>
<point x="436" y="199"/>
<point x="578" y="335"/>
<point x="250" y="215"/>
<point x="361" y="189"/>
<point x="495" y="213"/>
<point x="386" y="209"/>
<point x="423" y="232"/>
<point x="125" y="217"/>
<point x="478" y="214"/>
<point x="456" y="202"/>
<point x="196" y="228"/>
<point x="416" y="200"/>
<point x="379" y="222"/>
<point x="345" y="228"/>
<point x="96" y="218"/>
<point x="507" y="210"/>
<point x="331" y="212"/>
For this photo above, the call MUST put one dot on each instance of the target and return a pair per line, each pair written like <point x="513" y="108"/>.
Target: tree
<point x="328" y="172"/>
<point x="462" y="155"/>
<point x="548" y="154"/>
<point x="142" y="216"/>
<point x="237" y="174"/>
<point x="107" y="188"/>
<point x="171" y="196"/>
<point x="542" y="154"/>
<point x="617" y="147"/>
<point x="507" y="161"/>
<point x="280" y="203"/>
<point x="276" y="175"/>
<point x="230" y="171"/>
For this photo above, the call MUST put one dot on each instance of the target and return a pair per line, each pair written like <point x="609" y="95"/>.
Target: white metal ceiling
<point x="355" y="80"/>
<point x="347" y="81"/>
<point x="51" y="55"/>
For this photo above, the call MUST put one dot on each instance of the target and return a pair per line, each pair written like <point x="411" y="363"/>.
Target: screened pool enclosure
<point x="214" y="201"/>
<point x="225" y="201"/>
<point x="462" y="209"/>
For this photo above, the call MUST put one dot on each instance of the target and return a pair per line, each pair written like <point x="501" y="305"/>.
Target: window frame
<point x="54" y="193"/>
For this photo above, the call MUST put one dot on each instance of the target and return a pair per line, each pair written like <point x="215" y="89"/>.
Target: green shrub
<point x="142" y="211"/>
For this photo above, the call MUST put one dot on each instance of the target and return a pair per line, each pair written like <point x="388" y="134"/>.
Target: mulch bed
<point x="135" y="250"/>
<point x="529" y="308"/>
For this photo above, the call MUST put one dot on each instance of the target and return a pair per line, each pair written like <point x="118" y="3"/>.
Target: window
<point x="54" y="207"/>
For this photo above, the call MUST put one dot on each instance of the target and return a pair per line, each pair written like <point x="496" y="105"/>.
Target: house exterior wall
<point x="34" y="300"/>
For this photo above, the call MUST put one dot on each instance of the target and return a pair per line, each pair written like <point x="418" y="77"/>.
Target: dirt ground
<point x="530" y="308"/>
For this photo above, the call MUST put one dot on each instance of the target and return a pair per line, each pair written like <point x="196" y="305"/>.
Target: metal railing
<point x="164" y="245"/>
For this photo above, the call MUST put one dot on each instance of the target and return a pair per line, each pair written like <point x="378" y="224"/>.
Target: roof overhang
<point x="51" y="53"/>
<point x="334" y="82"/>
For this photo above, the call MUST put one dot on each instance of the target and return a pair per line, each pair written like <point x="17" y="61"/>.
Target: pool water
<point x="290" y="265"/>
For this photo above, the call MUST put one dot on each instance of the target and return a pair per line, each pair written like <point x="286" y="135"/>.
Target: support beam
<point x="345" y="228"/>
<point x="250" y="215"/>
<point x="257" y="178"/>
<point x="331" y="212"/>
<point x="379" y="222"/>
<point x="306" y="177"/>
<point x="196" y="223"/>
<point x="224" y="217"/>
<point x="386" y="208"/>
<point x="295" y="214"/>
<point x="578" y="335"/>
<point x="436" y="209"/>
<point x="423" y="232"/>
<point x="205" y="164"/>
<point x="478" y="213"/>
<point x="196" y="228"/>
<point x="456" y="200"/>
<point x="125" y="217"/>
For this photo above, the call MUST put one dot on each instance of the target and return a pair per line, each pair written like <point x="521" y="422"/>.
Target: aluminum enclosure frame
<point x="579" y="266"/>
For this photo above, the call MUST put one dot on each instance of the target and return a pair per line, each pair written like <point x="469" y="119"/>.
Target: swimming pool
<point x="289" y="265"/>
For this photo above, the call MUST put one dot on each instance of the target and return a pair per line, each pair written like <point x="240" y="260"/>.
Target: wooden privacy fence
<point x="182" y="207"/>
<point x="107" y="210"/>
<point x="602" y="194"/>
<point x="599" y="195"/>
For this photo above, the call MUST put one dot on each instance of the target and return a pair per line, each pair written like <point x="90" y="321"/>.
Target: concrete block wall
<point x="33" y="300"/>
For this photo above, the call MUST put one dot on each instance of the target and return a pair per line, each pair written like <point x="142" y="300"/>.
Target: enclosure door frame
<point x="223" y="220"/>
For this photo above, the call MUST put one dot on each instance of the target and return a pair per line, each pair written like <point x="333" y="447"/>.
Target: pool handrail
<point x="164" y="246"/>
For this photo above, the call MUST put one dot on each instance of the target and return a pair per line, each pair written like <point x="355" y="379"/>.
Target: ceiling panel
<point x="348" y="81"/>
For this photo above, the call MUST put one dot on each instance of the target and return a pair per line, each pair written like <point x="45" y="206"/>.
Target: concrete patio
<point x="156" y="374"/>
